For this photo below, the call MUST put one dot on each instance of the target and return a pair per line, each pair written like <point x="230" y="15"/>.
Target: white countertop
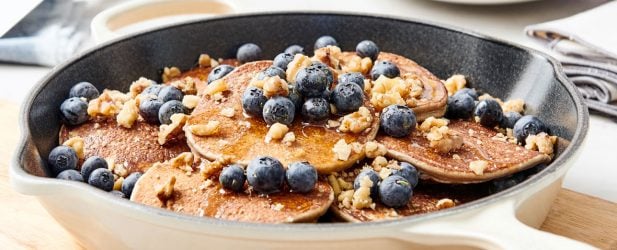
<point x="595" y="171"/>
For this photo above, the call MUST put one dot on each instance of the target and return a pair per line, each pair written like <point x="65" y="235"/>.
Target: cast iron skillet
<point x="502" y="69"/>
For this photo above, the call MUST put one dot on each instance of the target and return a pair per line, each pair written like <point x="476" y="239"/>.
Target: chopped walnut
<point x="182" y="160"/>
<point x="514" y="105"/>
<point x="342" y="150"/>
<point x="455" y="83"/>
<point x="277" y="131"/>
<point x="329" y="55"/>
<point x="379" y="162"/>
<point x="487" y="96"/>
<point x="366" y="64"/>
<point x="445" y="203"/>
<point x="440" y="136"/>
<point x="344" y="184"/>
<point x="541" y="142"/>
<point x="336" y="188"/>
<point x="357" y="64"/>
<point x="190" y="101"/>
<point x="128" y="114"/>
<point x="431" y="122"/>
<point x="357" y="147"/>
<point x="165" y="191"/>
<point x="108" y="103"/>
<point x="289" y="138"/>
<point x="118" y="184"/>
<point x="77" y="143"/>
<point x="170" y="73"/>
<point x="333" y="124"/>
<point x="211" y="128"/>
<point x="374" y="149"/>
<point x="387" y="91"/>
<point x="384" y="173"/>
<point x="478" y="166"/>
<point x="362" y="196"/>
<point x="138" y="86"/>
<point x="228" y="112"/>
<point x="356" y="122"/>
<point x="206" y="61"/>
<point x="168" y="132"/>
<point x="120" y="169"/>
<point x="345" y="198"/>
<point x="274" y="86"/>
<point x="216" y="87"/>
<point x="187" y="85"/>
<point x="299" y="62"/>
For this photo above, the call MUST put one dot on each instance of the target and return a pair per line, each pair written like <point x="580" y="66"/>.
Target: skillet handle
<point x="495" y="227"/>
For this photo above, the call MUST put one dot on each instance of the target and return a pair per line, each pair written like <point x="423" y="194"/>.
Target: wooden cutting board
<point x="24" y="223"/>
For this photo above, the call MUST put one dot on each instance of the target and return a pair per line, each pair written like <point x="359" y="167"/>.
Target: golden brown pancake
<point x="191" y="196"/>
<point x="503" y="157"/>
<point x="136" y="147"/>
<point x="424" y="200"/>
<point x="242" y="138"/>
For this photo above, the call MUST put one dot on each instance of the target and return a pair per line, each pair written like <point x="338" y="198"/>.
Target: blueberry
<point x="301" y="177"/>
<point x="367" y="48"/>
<point x="279" y="109"/>
<point x="373" y="176"/>
<point x="253" y="101"/>
<point x="270" y="72"/>
<point x="327" y="94"/>
<point x="509" y="119"/>
<point x="385" y="68"/>
<point x="311" y="82"/>
<point x="74" y="110"/>
<point x="526" y="126"/>
<point x="70" y="175"/>
<point x="395" y="191"/>
<point x="219" y="72"/>
<point x="62" y="158"/>
<point x="85" y="90"/>
<point x="153" y="89"/>
<point x="169" y="108"/>
<point x="409" y="172"/>
<point x="460" y="105"/>
<point x="353" y="77"/>
<point x="324" y="68"/>
<point x="102" y="178"/>
<point x="347" y="97"/>
<point x="295" y="97"/>
<point x="325" y="41"/>
<point x="471" y="92"/>
<point x="232" y="177"/>
<point x="295" y="49"/>
<point x="129" y="183"/>
<point x="504" y="183"/>
<point x="397" y="120"/>
<point x="282" y="60"/>
<point x="315" y="110"/>
<point x="248" y="52"/>
<point x="490" y="113"/>
<point x="265" y="174"/>
<point x="92" y="163"/>
<point x="169" y="93"/>
<point x="149" y="109"/>
<point x="118" y="194"/>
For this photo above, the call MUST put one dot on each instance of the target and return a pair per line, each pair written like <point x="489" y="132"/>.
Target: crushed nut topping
<point x="384" y="172"/>
<point x="274" y="86"/>
<point x="342" y="150"/>
<point x="206" y="61"/>
<point x="487" y="96"/>
<point x="121" y="170"/>
<point x="128" y="114"/>
<point x="379" y="162"/>
<point x="277" y="131"/>
<point x="118" y="184"/>
<point x="431" y="122"/>
<point x="329" y="55"/>
<point x="455" y="83"/>
<point x="211" y="128"/>
<point x="344" y="184"/>
<point x="333" y="124"/>
<point x="77" y="143"/>
<point x="374" y="149"/>
<point x="170" y="73"/>
<point x="387" y="91"/>
<point x="362" y="196"/>
<point x="345" y="198"/>
<point x="542" y="143"/>
<point x="299" y="62"/>
<point x="138" y="86"/>
<point x="216" y="87"/>
<point x="440" y="136"/>
<point x="228" y="112"/>
<point x="357" y="64"/>
<point x="514" y="105"/>
<point x="168" y="132"/>
<point x="445" y="203"/>
<point x="478" y="166"/>
<point x="108" y="103"/>
<point x="187" y="85"/>
<point x="190" y="101"/>
<point x="289" y="138"/>
<point x="165" y="191"/>
<point x="356" y="122"/>
<point x="336" y="188"/>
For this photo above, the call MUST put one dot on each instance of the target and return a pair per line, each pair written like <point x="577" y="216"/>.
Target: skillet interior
<point x="500" y="69"/>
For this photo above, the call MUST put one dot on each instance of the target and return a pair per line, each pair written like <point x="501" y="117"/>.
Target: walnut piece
<point x="329" y="55"/>
<point x="128" y="114"/>
<point x="443" y="139"/>
<point x="168" y="132"/>
<point x="289" y="138"/>
<point x="190" y="101"/>
<point x="431" y="122"/>
<point x="170" y="73"/>
<point x="276" y="132"/>
<point x="299" y="62"/>
<point x="108" y="103"/>
<point x="356" y="122"/>
<point x="118" y="184"/>
<point x="211" y="128"/>
<point x="514" y="105"/>
<point x="275" y="86"/>
<point x="542" y="143"/>
<point x="138" y="86"/>
<point x="478" y="166"/>
<point x="165" y="191"/>
<point x="206" y="61"/>
<point x="228" y="112"/>
<point x="379" y="162"/>
<point x="77" y="143"/>
<point x="362" y="196"/>
<point x="445" y="203"/>
<point x="187" y="85"/>
<point x="336" y="188"/>
<point x="455" y="83"/>
<point x="342" y="150"/>
<point x="374" y="149"/>
<point x="182" y="160"/>
<point x="216" y="87"/>
<point x="357" y="64"/>
<point x="345" y="198"/>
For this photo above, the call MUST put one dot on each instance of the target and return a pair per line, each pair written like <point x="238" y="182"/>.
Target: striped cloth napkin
<point x="586" y="46"/>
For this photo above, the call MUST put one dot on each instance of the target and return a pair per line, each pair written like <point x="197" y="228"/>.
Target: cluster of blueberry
<point x="464" y="104"/>
<point x="75" y="109"/>
<point x="267" y="175"/>
<point x="161" y="103"/>
<point x="396" y="189"/>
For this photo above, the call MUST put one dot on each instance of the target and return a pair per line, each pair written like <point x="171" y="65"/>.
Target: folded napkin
<point x="586" y="46"/>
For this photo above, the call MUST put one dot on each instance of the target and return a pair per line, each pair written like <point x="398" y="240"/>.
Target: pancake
<point x="191" y="196"/>
<point x="503" y="157"/>
<point x="434" y="98"/>
<point x="136" y="147"/>
<point x="242" y="138"/>
<point x="424" y="200"/>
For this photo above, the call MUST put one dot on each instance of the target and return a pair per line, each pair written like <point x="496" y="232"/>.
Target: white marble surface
<point x="596" y="169"/>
